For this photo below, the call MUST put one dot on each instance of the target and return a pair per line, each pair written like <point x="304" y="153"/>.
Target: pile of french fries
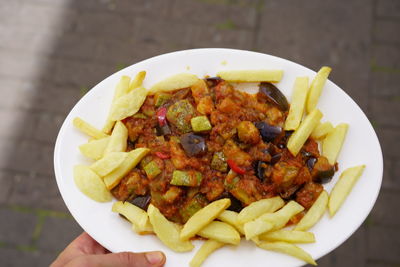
<point x="263" y="221"/>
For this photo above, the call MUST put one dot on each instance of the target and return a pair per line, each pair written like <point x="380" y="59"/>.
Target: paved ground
<point x="52" y="51"/>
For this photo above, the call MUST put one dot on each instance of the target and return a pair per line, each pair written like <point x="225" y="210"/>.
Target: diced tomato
<point x="161" y="116"/>
<point x="235" y="167"/>
<point x="162" y="155"/>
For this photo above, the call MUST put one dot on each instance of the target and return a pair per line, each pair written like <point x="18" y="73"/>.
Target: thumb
<point x="123" y="259"/>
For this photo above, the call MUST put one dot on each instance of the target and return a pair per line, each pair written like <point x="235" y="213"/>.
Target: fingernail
<point x="154" y="257"/>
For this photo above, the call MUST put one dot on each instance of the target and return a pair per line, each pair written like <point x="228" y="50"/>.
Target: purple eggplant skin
<point x="274" y="95"/>
<point x="193" y="144"/>
<point x="268" y="132"/>
<point x="236" y="205"/>
<point x="163" y="130"/>
<point x="213" y="81"/>
<point x="311" y="162"/>
<point x="325" y="176"/>
<point x="275" y="158"/>
<point x="141" y="201"/>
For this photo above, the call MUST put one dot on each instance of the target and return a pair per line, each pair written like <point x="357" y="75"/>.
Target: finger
<point x="123" y="259"/>
<point x="82" y="245"/>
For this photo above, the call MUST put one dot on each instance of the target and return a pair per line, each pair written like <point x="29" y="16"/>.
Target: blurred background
<point x="53" y="51"/>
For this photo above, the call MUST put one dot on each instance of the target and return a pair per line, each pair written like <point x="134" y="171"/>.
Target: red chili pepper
<point x="235" y="167"/>
<point x="161" y="116"/>
<point x="162" y="155"/>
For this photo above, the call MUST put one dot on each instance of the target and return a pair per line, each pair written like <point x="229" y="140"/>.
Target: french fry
<point x="203" y="217"/>
<point x="343" y="186"/>
<point x="132" y="159"/>
<point x="128" y="104"/>
<point x="230" y="217"/>
<point x="145" y="230"/>
<point x="297" y="105"/>
<point x="221" y="232"/>
<point x="108" y="163"/>
<point x="300" y="136"/>
<point x="95" y="149"/>
<point x="88" y="129"/>
<point x="258" y="208"/>
<point x="289" y="249"/>
<point x="137" y="81"/>
<point x="321" y="130"/>
<point x="91" y="184"/>
<point x="118" y="140"/>
<point x="205" y="250"/>
<point x="251" y="75"/>
<point x="333" y="142"/>
<point x="289" y="236"/>
<point x="121" y="89"/>
<point x="314" y="214"/>
<point x="134" y="214"/>
<point x="254" y="228"/>
<point x="272" y="221"/>
<point x="167" y="231"/>
<point x="178" y="81"/>
<point x="316" y="88"/>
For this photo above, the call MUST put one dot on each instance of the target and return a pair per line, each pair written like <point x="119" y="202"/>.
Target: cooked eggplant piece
<point x="213" y="81"/>
<point x="163" y="130"/>
<point x="268" y="132"/>
<point x="289" y="193"/>
<point x="141" y="201"/>
<point x="310" y="163"/>
<point x="322" y="171"/>
<point x="261" y="170"/>
<point x="274" y="95"/>
<point x="248" y="133"/>
<point x="193" y="144"/>
<point x="275" y="158"/>
<point x="236" y="205"/>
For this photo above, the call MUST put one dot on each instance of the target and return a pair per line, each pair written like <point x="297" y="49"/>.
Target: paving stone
<point x="381" y="263"/>
<point x="389" y="140"/>
<point x="384" y="243"/>
<point x="78" y="73"/>
<point x="385" y="110"/>
<point x="391" y="174"/>
<point x="6" y="182"/>
<point x="387" y="31"/>
<point x="241" y="13"/>
<point x="16" y="123"/>
<point x="58" y="233"/>
<point x="17" y="258"/>
<point x="48" y="126"/>
<point x="386" y="56"/>
<point x="388" y="8"/>
<point x="385" y="84"/>
<point x="382" y="214"/>
<point x="341" y="35"/>
<point x="103" y="23"/>
<point x="26" y="156"/>
<point x="36" y="191"/>
<point x="160" y="31"/>
<point x="21" y="95"/>
<point x="205" y="36"/>
<point x="17" y="228"/>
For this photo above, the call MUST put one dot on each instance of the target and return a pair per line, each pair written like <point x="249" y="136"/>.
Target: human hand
<point x="85" y="251"/>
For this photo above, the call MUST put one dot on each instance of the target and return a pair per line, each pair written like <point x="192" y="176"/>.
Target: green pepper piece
<point x="200" y="124"/>
<point x="180" y="113"/>
<point x="218" y="162"/>
<point x="152" y="169"/>
<point x="186" y="178"/>
<point x="172" y="193"/>
<point x="160" y="98"/>
<point x="192" y="206"/>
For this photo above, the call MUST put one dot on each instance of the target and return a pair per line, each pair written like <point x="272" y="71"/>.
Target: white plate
<point x="361" y="147"/>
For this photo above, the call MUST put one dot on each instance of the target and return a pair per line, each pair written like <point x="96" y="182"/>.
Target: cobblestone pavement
<point x="52" y="51"/>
